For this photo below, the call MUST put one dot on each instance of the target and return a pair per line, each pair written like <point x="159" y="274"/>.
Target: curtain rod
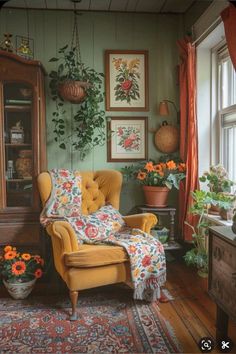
<point x="214" y="23"/>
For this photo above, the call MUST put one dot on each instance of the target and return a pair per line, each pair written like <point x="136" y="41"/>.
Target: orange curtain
<point x="188" y="133"/>
<point x="228" y="16"/>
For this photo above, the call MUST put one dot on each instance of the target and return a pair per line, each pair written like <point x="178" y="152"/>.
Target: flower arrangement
<point x="217" y="179"/>
<point x="164" y="174"/>
<point x="20" y="267"/>
<point x="128" y="75"/>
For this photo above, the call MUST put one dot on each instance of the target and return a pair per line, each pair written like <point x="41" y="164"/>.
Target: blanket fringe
<point x="150" y="289"/>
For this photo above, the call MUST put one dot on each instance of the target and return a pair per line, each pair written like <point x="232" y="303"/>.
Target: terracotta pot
<point x="19" y="290"/>
<point x="156" y="196"/>
<point x="73" y="91"/>
<point x="214" y="210"/>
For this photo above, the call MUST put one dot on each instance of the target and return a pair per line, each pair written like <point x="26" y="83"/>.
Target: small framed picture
<point x="127" y="139"/>
<point x="126" y="80"/>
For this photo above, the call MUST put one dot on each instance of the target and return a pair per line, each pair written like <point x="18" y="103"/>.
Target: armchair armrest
<point x="63" y="234"/>
<point x="143" y="222"/>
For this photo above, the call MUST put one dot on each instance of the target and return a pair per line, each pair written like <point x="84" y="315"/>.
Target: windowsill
<point x="217" y="220"/>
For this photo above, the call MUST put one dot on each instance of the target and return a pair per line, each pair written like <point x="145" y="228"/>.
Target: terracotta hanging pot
<point x="156" y="196"/>
<point x="73" y="91"/>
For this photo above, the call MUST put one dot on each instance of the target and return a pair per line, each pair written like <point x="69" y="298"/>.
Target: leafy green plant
<point x="162" y="174"/>
<point x="87" y="126"/>
<point x="197" y="256"/>
<point x="217" y="179"/>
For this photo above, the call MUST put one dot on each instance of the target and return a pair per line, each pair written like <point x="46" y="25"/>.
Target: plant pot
<point x="156" y="196"/>
<point x="19" y="290"/>
<point x="214" y="210"/>
<point x="73" y="91"/>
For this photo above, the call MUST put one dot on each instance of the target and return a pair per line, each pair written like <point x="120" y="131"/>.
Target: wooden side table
<point x="169" y="211"/>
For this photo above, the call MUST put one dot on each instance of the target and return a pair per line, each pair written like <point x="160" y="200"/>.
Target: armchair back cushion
<point x="98" y="188"/>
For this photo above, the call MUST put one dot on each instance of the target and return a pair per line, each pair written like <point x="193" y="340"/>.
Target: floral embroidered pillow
<point x="98" y="226"/>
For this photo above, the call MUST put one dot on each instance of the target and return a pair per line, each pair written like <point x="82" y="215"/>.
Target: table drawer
<point x="223" y="274"/>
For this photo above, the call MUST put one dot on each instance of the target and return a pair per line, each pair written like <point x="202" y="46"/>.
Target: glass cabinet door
<point x="18" y="113"/>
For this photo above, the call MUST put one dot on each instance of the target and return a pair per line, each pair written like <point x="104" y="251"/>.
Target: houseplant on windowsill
<point x="218" y="182"/>
<point x="203" y="200"/>
<point x="157" y="179"/>
<point x="20" y="271"/>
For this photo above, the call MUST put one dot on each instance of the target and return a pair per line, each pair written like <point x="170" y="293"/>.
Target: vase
<point x="19" y="290"/>
<point x="156" y="196"/>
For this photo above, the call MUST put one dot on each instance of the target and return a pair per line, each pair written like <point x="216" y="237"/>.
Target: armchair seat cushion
<point x="95" y="255"/>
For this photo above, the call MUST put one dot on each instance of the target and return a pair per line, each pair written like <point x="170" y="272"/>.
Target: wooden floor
<point x="192" y="313"/>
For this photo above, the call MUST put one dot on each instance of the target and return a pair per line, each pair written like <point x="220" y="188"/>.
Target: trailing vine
<point x="87" y="126"/>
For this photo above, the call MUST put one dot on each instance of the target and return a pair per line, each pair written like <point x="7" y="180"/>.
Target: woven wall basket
<point x="73" y="91"/>
<point x="167" y="138"/>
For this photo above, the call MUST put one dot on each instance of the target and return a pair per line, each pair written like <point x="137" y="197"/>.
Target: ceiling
<point x="144" y="6"/>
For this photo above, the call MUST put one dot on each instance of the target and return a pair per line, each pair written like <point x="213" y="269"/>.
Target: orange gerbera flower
<point x="141" y="176"/>
<point x="18" y="268"/>
<point x="171" y="165"/>
<point x="157" y="168"/>
<point x="10" y="255"/>
<point x="7" y="248"/>
<point x="26" y="256"/>
<point x="163" y="165"/>
<point x="182" y="167"/>
<point x="38" y="273"/>
<point x="149" y="166"/>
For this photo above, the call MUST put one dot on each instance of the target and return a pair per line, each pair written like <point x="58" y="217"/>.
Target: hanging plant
<point x="82" y="86"/>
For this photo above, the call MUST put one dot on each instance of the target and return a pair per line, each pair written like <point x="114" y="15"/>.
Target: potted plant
<point x="77" y="84"/>
<point x="218" y="181"/>
<point x="197" y="256"/>
<point x="157" y="179"/>
<point x="20" y="271"/>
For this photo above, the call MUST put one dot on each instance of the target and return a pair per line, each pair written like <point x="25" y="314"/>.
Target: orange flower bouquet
<point x="18" y="267"/>
<point x="163" y="174"/>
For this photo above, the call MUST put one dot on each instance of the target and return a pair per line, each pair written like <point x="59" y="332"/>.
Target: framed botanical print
<point x="127" y="139"/>
<point x="126" y="80"/>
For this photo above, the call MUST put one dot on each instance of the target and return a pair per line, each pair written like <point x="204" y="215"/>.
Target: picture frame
<point x="126" y="80"/>
<point x="127" y="139"/>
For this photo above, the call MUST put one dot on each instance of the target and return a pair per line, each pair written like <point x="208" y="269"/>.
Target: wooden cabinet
<point x="222" y="275"/>
<point x="22" y="149"/>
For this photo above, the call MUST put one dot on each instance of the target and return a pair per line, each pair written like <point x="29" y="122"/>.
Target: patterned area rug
<point x="110" y="321"/>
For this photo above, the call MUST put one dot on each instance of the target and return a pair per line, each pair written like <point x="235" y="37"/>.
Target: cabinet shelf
<point x="17" y="108"/>
<point x="19" y="180"/>
<point x="16" y="145"/>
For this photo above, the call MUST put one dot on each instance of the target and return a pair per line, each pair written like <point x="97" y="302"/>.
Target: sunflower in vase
<point x="20" y="271"/>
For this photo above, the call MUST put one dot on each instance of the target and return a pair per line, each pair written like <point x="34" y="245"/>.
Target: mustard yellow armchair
<point x="88" y="266"/>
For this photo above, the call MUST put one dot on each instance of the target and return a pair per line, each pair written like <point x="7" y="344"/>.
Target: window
<point x="227" y="111"/>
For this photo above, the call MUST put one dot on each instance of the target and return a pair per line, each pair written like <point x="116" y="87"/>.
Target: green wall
<point x="100" y="31"/>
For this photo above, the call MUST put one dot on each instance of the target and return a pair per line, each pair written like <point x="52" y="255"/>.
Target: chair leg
<point x="73" y="299"/>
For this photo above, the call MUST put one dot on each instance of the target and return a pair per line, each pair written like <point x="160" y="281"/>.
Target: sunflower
<point x="18" y="268"/>
<point x="38" y="273"/>
<point x="7" y="249"/>
<point x="26" y="256"/>
<point x="10" y="255"/>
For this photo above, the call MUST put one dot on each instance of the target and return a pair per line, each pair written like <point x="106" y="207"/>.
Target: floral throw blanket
<point x="146" y="254"/>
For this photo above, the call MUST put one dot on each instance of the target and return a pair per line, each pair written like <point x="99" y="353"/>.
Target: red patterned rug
<point x="110" y="321"/>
